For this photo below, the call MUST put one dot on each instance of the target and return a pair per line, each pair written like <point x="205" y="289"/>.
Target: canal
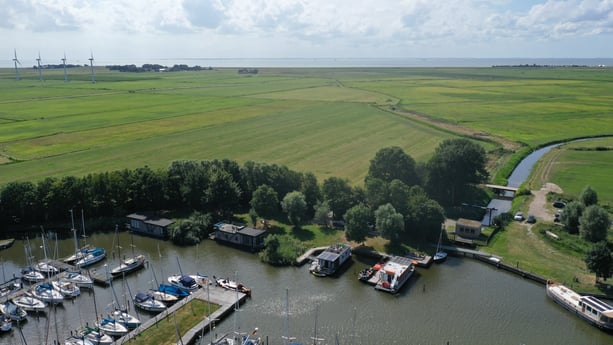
<point x="461" y="301"/>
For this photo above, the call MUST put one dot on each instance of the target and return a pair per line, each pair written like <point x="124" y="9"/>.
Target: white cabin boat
<point x="589" y="308"/>
<point x="29" y="303"/>
<point x="31" y="275"/>
<point x="79" y="279"/>
<point x="13" y="311"/>
<point x="129" y="265"/>
<point x="330" y="260"/>
<point x="78" y="340"/>
<point x="395" y="274"/>
<point x="91" y="258"/>
<point x="148" y="302"/>
<point x="67" y="289"/>
<point x="112" y="327"/>
<point x="125" y="318"/>
<point x="96" y="336"/>
<point x="46" y="293"/>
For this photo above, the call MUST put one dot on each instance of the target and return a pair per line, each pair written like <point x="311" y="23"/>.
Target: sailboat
<point x="440" y="254"/>
<point x="120" y="312"/>
<point x="44" y="266"/>
<point x="287" y="338"/>
<point x="127" y="265"/>
<point x="88" y="255"/>
<point x="79" y="253"/>
<point x="29" y="273"/>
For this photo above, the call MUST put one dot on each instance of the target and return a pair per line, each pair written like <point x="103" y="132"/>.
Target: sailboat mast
<point x="83" y="227"/>
<point x="76" y="240"/>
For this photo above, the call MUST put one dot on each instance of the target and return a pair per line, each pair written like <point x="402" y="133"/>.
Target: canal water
<point x="461" y="301"/>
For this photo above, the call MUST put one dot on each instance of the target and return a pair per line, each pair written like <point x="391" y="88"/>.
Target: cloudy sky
<point x="125" y="30"/>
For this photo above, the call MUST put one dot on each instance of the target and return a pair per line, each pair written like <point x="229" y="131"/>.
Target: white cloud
<point x="312" y="27"/>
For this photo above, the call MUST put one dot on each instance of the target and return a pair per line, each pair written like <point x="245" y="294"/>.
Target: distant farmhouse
<point x="239" y="235"/>
<point x="149" y="224"/>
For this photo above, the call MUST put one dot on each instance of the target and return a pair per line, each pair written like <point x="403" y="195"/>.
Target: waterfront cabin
<point x="468" y="228"/>
<point x="330" y="260"/>
<point x="149" y="224"/>
<point x="240" y="235"/>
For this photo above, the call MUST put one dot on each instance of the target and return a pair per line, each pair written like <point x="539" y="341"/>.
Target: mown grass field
<point x="328" y="121"/>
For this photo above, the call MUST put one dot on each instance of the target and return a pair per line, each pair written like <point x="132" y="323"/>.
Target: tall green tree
<point x="588" y="196"/>
<point x="265" y="201"/>
<point x="339" y="195"/>
<point x="322" y="213"/>
<point x="389" y="222"/>
<point x="455" y="165"/>
<point x="310" y="188"/>
<point x="295" y="206"/>
<point x="377" y="192"/>
<point x="399" y="196"/>
<point x="599" y="260"/>
<point x="392" y="163"/>
<point x="424" y="216"/>
<point x="594" y="224"/>
<point x="571" y="215"/>
<point x="357" y="219"/>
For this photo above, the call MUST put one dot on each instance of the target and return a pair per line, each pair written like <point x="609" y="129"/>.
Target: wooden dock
<point x="309" y="254"/>
<point x="218" y="295"/>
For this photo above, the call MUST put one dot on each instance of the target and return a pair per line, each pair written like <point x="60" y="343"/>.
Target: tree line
<point x="400" y="197"/>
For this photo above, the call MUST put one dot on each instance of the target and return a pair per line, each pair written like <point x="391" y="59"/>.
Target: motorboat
<point x="91" y="258"/>
<point x="184" y="282"/>
<point x="30" y="303"/>
<point x="77" y="340"/>
<point x="79" y="279"/>
<point x="129" y="265"/>
<point x="67" y="289"/>
<point x="126" y="319"/>
<point x="13" y="311"/>
<point x="31" y="275"/>
<point x="164" y="297"/>
<point x="148" y="302"/>
<point x="173" y="290"/>
<point x="112" y="327"/>
<point x="6" y="324"/>
<point x="233" y="285"/>
<point x="95" y="336"/>
<point x="589" y="308"/>
<point x="46" y="293"/>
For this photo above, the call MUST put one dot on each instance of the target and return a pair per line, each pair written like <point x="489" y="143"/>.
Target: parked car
<point x="559" y="204"/>
<point x="519" y="216"/>
<point x="531" y="219"/>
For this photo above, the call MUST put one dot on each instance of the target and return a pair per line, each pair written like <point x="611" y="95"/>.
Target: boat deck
<point x="568" y="295"/>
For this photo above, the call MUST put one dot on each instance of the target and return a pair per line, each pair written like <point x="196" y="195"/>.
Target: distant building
<point x="149" y="224"/>
<point x="468" y="228"/>
<point x="239" y="235"/>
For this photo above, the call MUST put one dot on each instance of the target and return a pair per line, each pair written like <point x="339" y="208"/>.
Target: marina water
<point x="461" y="301"/>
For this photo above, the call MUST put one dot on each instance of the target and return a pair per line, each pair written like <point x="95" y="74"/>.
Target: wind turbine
<point x="40" y="70"/>
<point x="16" y="61"/>
<point x="64" y="63"/>
<point x="91" y="64"/>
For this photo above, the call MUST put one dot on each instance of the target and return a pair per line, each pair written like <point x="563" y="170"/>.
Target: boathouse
<point x="149" y="224"/>
<point x="240" y="235"/>
<point x="468" y="228"/>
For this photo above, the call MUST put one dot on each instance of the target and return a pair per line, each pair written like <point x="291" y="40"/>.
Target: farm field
<point x="328" y="121"/>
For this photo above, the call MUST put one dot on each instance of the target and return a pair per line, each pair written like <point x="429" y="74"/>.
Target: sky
<point x="137" y="30"/>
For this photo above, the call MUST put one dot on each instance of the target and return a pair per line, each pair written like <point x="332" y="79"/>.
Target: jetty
<point x="226" y="299"/>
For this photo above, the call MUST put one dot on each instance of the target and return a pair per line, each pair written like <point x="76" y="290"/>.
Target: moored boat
<point x="123" y="317"/>
<point x="95" y="336"/>
<point x="77" y="340"/>
<point x="233" y="285"/>
<point x="67" y="289"/>
<point x="13" y="311"/>
<point x="31" y="275"/>
<point x="330" y="260"/>
<point x="6" y="324"/>
<point x="394" y="274"/>
<point x="112" y="327"/>
<point x="440" y="255"/>
<point x="46" y="293"/>
<point x="173" y="290"/>
<point x="29" y="303"/>
<point x="92" y="257"/>
<point x="589" y="308"/>
<point x="148" y="302"/>
<point x="184" y="282"/>
<point x="79" y="279"/>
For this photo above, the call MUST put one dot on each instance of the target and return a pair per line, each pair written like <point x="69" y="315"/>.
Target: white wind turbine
<point x="64" y="63"/>
<point x="40" y="70"/>
<point x="16" y="61"/>
<point x="91" y="64"/>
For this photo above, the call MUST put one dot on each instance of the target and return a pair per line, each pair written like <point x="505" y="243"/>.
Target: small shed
<point x="149" y="224"/>
<point x="239" y="235"/>
<point x="468" y="228"/>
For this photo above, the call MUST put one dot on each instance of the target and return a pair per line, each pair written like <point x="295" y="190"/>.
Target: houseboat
<point x="395" y="274"/>
<point x="589" y="308"/>
<point x="330" y="260"/>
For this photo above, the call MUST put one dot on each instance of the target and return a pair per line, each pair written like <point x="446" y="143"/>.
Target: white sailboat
<point x="127" y="265"/>
<point x="440" y="254"/>
<point x="30" y="303"/>
<point x="44" y="266"/>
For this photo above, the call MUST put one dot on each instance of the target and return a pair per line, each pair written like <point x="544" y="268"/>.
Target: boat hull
<point x="553" y="292"/>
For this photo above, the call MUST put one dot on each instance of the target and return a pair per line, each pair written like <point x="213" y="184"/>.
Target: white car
<point x="519" y="216"/>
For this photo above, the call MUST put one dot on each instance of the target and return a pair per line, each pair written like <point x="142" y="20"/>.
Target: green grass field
<point x="328" y="121"/>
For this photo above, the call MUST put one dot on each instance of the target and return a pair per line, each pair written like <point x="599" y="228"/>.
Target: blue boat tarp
<point x="141" y="297"/>
<point x="187" y="281"/>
